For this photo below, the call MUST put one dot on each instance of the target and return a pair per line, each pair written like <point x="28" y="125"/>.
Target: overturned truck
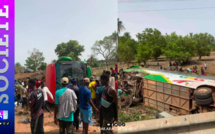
<point x="176" y="93"/>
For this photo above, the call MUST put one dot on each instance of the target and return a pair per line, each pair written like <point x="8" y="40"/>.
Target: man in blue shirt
<point x="64" y="122"/>
<point x="85" y="105"/>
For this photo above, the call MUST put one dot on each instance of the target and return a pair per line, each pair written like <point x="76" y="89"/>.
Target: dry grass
<point x="137" y="113"/>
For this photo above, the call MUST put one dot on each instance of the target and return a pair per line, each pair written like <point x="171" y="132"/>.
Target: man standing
<point x="74" y="87"/>
<point x="65" y="105"/>
<point x="202" y="71"/>
<point x="36" y="101"/>
<point x="20" y="92"/>
<point x="111" y="79"/>
<point x="85" y="103"/>
<point x="116" y="68"/>
<point x="93" y="92"/>
<point x="24" y="97"/>
<point x="108" y="104"/>
<point x="46" y="91"/>
<point x="205" y="66"/>
<point x="112" y="71"/>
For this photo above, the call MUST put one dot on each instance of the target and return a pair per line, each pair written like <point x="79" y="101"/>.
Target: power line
<point x="169" y="9"/>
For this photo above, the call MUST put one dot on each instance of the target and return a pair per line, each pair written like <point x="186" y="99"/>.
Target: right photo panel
<point x="166" y="58"/>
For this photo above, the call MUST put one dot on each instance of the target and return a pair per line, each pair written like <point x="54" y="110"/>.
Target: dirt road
<point x="49" y="126"/>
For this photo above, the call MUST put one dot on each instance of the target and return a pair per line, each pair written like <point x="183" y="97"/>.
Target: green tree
<point x="120" y="26"/>
<point x="114" y="36"/>
<point x="71" y="49"/>
<point x="106" y="48"/>
<point x="53" y="61"/>
<point x="126" y="49"/>
<point x="143" y="53"/>
<point x="19" y="68"/>
<point x="43" y="66"/>
<point x="35" y="59"/>
<point x="180" y="48"/>
<point x="127" y="34"/>
<point x="154" y="39"/>
<point x="91" y="61"/>
<point x="204" y="41"/>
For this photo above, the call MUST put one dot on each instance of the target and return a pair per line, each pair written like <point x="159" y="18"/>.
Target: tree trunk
<point x="106" y="62"/>
<point x="200" y="57"/>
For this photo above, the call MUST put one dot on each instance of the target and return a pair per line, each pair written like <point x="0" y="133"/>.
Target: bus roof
<point x="182" y="79"/>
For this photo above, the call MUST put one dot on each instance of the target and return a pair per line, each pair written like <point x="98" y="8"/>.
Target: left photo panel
<point x="65" y="66"/>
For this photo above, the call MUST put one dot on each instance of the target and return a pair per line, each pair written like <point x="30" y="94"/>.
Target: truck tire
<point x="204" y="101"/>
<point x="203" y="93"/>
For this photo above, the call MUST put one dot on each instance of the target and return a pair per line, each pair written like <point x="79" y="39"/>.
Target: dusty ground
<point x="23" y="76"/>
<point x="209" y="60"/>
<point x="49" y="126"/>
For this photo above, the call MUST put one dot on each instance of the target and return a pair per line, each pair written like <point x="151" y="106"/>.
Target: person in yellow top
<point x="93" y="92"/>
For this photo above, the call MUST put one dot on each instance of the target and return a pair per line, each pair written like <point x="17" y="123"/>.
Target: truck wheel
<point x="204" y="101"/>
<point x="203" y="93"/>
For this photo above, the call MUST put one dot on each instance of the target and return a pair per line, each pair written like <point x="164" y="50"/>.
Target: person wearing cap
<point x="85" y="105"/>
<point x="65" y="105"/>
<point x="46" y="92"/>
<point x="93" y="92"/>
<point x="36" y="101"/>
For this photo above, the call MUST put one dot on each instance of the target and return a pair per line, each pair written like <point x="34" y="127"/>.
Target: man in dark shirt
<point x="36" y="101"/>
<point x="108" y="107"/>
<point x="74" y="87"/>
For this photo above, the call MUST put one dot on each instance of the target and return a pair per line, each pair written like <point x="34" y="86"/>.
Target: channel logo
<point x="3" y="114"/>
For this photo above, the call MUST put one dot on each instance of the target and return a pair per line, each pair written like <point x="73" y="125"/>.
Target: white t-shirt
<point x="45" y="90"/>
<point x="112" y="82"/>
<point x="25" y="90"/>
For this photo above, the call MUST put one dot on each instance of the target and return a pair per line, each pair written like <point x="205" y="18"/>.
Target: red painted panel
<point x="51" y="80"/>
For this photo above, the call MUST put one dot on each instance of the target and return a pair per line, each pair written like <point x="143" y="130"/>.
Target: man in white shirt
<point x="205" y="66"/>
<point x="24" y="97"/>
<point x="111" y="79"/>
<point x="45" y="92"/>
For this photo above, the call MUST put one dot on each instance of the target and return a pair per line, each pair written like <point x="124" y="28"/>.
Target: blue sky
<point x="43" y="24"/>
<point x="180" y="16"/>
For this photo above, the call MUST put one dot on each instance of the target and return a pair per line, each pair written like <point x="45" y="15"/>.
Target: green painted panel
<point x="156" y="78"/>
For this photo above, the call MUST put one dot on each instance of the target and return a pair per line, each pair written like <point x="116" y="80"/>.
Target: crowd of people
<point x="96" y="99"/>
<point x="174" y="66"/>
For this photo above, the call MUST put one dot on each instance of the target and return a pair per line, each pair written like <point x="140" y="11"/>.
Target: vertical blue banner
<point x="7" y="13"/>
